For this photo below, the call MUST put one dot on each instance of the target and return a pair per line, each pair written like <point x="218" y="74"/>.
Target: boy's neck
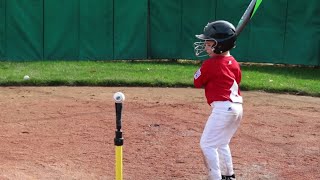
<point x="227" y="53"/>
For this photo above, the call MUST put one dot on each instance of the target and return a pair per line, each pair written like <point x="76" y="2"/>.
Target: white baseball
<point x="119" y="97"/>
<point x="26" y="77"/>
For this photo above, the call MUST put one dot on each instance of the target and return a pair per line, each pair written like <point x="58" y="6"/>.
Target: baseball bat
<point x="247" y="15"/>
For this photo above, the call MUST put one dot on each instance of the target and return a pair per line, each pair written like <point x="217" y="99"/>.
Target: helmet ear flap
<point x="217" y="49"/>
<point x="226" y="45"/>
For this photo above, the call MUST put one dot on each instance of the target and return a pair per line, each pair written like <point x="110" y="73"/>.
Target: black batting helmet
<point x="222" y="32"/>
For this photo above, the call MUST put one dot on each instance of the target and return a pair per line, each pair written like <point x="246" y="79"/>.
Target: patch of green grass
<point x="295" y="80"/>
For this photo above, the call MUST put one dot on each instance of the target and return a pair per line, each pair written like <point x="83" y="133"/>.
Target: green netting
<point x="24" y="35"/>
<point x="96" y="29"/>
<point x="265" y="39"/>
<point x="130" y="29"/>
<point x="165" y="28"/>
<point x="61" y="29"/>
<point x="302" y="36"/>
<point x="2" y="29"/>
<point x="281" y="31"/>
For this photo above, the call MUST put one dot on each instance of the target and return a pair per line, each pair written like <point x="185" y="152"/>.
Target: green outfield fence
<point x="282" y="31"/>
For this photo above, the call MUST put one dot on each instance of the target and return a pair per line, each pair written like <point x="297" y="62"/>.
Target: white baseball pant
<point x="221" y="125"/>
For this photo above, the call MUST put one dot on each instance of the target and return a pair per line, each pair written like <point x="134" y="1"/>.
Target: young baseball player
<point x="220" y="75"/>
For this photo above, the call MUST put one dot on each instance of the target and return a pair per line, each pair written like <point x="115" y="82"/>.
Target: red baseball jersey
<point x="220" y="76"/>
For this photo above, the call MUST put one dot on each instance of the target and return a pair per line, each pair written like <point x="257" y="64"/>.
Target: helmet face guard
<point x="200" y="48"/>
<point x="222" y="32"/>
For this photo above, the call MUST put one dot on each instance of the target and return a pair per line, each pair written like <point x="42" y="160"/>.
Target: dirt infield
<point x="68" y="132"/>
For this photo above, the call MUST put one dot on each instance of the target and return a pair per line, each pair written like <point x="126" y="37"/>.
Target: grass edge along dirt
<point x="299" y="80"/>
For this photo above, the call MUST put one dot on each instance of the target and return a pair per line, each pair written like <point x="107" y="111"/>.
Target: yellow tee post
<point x="119" y="163"/>
<point x="118" y="140"/>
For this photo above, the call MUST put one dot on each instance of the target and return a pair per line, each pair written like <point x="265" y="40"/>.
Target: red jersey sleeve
<point x="200" y="77"/>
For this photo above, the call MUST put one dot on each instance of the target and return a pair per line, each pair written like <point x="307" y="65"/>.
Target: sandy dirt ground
<point x="68" y="133"/>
